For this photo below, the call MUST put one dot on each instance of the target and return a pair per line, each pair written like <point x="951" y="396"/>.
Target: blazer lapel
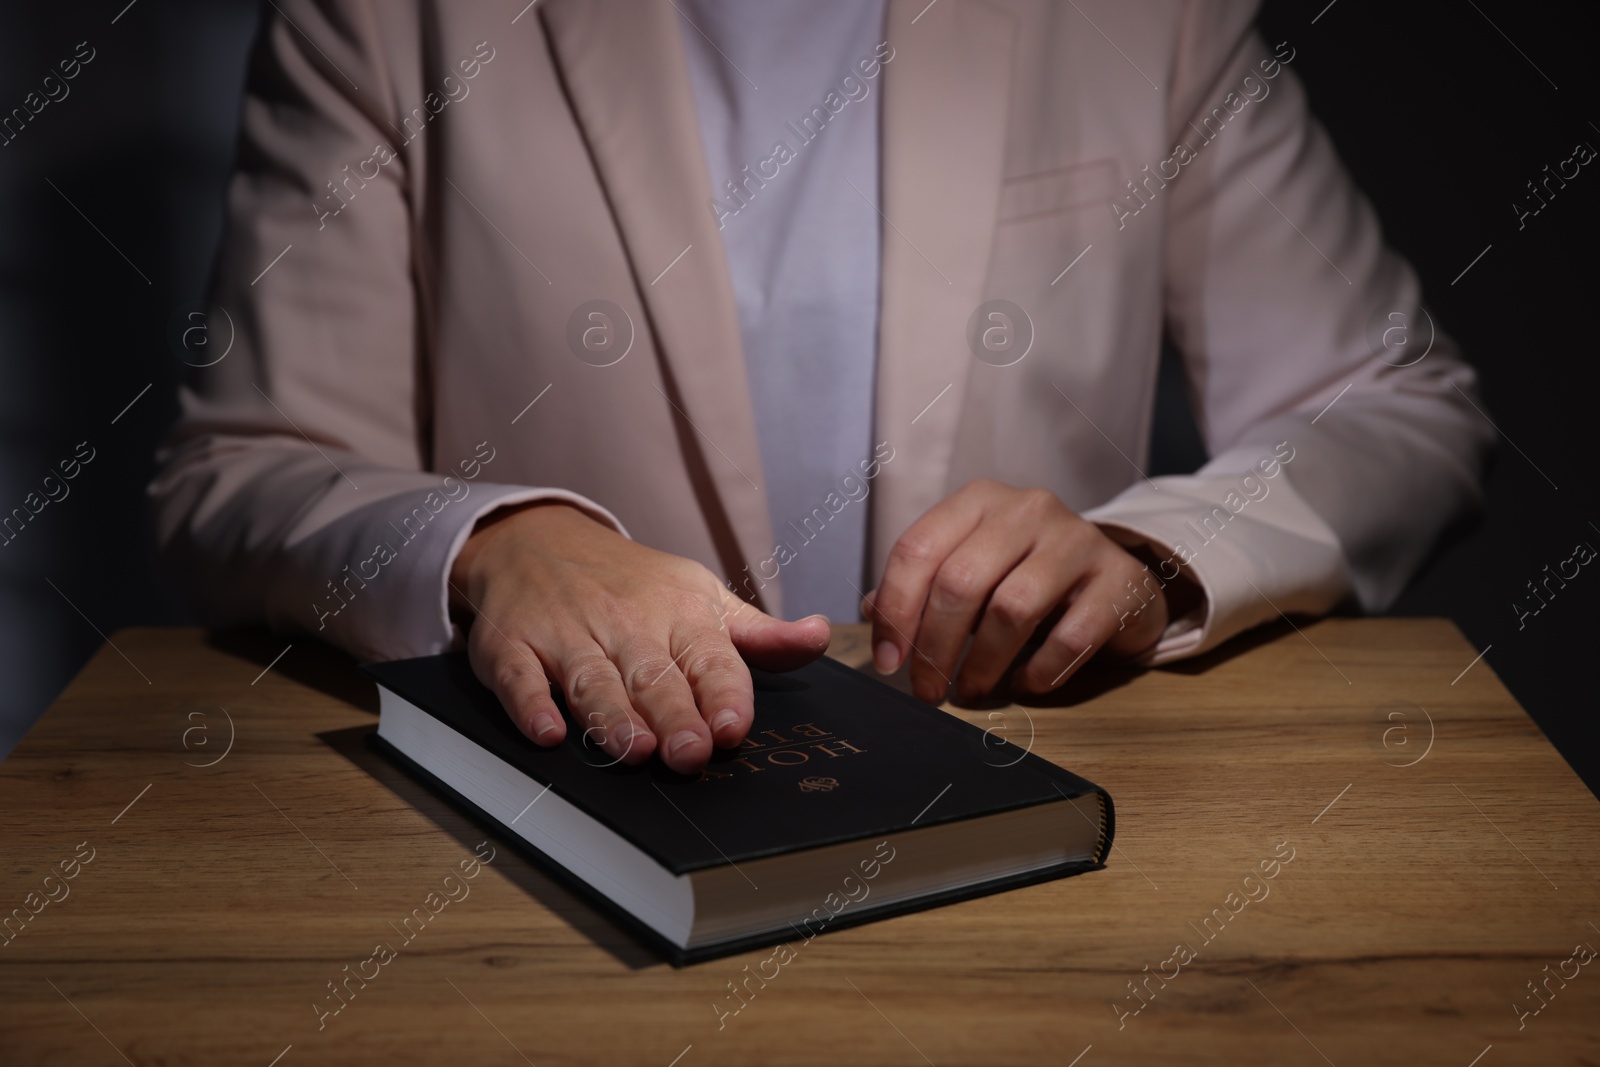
<point x="945" y="96"/>
<point x="623" y="65"/>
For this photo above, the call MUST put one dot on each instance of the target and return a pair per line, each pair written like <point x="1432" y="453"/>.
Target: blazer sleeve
<point x="298" y="488"/>
<point x="1303" y="336"/>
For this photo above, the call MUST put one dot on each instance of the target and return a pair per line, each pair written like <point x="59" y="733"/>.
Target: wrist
<point x="1182" y="594"/>
<point x="535" y="518"/>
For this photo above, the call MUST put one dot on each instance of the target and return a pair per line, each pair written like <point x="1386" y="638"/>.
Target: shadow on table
<point x="303" y="659"/>
<point x="1088" y="683"/>
<point x="1096" y="679"/>
<point x="352" y="745"/>
<point x="1248" y="641"/>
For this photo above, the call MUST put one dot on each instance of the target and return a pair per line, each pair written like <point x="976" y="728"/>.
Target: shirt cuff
<point x="1251" y="542"/>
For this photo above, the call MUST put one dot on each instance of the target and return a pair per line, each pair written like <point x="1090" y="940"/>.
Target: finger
<point x="898" y="602"/>
<point x="1033" y="589"/>
<point x="721" y="685"/>
<point x="956" y="596"/>
<point x="599" y="704"/>
<point x="773" y="644"/>
<point x="1088" y="625"/>
<point x="518" y="679"/>
<point x="660" y="693"/>
<point x="1072" y="640"/>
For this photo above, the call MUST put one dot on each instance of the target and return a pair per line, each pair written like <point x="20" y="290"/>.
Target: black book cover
<point x="833" y="755"/>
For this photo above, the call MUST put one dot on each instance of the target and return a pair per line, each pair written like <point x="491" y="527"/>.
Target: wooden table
<point x="1435" y="871"/>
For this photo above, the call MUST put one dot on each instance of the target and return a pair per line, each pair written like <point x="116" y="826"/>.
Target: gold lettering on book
<point x="790" y="746"/>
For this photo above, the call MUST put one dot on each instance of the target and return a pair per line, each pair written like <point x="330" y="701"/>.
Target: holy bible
<point x="848" y="802"/>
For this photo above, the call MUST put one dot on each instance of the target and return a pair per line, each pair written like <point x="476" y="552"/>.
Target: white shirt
<point x="789" y="125"/>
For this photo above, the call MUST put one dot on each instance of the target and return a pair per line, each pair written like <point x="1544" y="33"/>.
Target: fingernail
<point x="722" y="720"/>
<point x="886" y="657"/>
<point x="625" y="738"/>
<point x="543" y="728"/>
<point x="680" y="741"/>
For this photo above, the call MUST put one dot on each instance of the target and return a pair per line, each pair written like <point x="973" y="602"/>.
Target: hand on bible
<point x="646" y="646"/>
<point x="1009" y="565"/>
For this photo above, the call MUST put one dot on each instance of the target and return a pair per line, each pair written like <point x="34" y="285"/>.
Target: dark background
<point x="1443" y="112"/>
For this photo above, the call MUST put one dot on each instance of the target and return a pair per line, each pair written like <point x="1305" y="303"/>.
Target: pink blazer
<point x="431" y="196"/>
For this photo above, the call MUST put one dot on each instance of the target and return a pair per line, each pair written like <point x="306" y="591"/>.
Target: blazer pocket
<point x="1062" y="189"/>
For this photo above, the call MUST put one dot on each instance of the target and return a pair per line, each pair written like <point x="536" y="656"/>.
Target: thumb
<point x="772" y="644"/>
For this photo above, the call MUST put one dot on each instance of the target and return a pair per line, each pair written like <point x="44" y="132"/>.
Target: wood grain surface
<point x="197" y="844"/>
